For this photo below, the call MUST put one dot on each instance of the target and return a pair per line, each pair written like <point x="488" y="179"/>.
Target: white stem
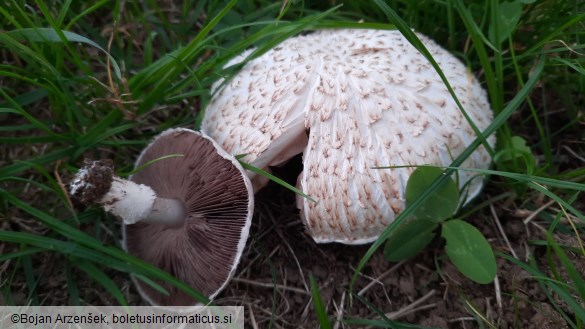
<point x="169" y="211"/>
<point x="137" y="202"/>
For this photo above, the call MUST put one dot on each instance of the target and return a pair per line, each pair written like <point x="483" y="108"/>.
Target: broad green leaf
<point x="441" y="204"/>
<point x="508" y="15"/>
<point x="469" y="251"/>
<point x="409" y="239"/>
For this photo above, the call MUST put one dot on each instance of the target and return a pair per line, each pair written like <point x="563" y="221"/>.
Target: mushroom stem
<point x="170" y="211"/>
<point x="96" y="183"/>
<point x="137" y="202"/>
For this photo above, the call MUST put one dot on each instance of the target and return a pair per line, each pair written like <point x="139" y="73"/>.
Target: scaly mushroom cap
<point x="366" y="98"/>
<point x="205" y="249"/>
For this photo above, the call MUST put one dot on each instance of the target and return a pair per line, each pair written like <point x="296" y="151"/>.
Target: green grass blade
<point x="149" y="163"/>
<point x="100" y="277"/>
<point x="318" y="303"/>
<point x="561" y="292"/>
<point x="166" y="68"/>
<point x="20" y="166"/>
<point x="21" y="112"/>
<point x="557" y="199"/>
<point x="151" y="283"/>
<point x="22" y="252"/>
<point x="53" y="36"/>
<point x="415" y="41"/>
<point x="577" y="281"/>
<point x="275" y="179"/>
<point x="70" y="249"/>
<point x="26" y="98"/>
<point x="88" y="241"/>
<point x="15" y="45"/>
<point x="31" y="281"/>
<point x="563" y="184"/>
<point x="479" y="42"/>
<point x="571" y="21"/>
<point x="72" y="288"/>
<point x="86" y="12"/>
<point x="384" y="322"/>
<point x="73" y="251"/>
<point x="525" y="178"/>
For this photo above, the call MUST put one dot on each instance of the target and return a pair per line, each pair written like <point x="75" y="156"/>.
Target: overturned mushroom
<point x="350" y="100"/>
<point x="188" y="214"/>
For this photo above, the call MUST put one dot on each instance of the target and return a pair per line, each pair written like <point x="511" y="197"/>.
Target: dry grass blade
<point x="540" y="209"/>
<point x="272" y="286"/>
<point x="380" y="278"/>
<point x="413" y="307"/>
<point x="501" y="230"/>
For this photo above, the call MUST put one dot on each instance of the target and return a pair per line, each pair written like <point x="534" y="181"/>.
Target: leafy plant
<point x="516" y="157"/>
<point x="466" y="247"/>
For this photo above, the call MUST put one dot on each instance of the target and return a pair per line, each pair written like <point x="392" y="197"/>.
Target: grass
<point x="100" y="79"/>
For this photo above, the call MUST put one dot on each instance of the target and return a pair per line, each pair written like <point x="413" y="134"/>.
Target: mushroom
<point x="350" y="100"/>
<point x="188" y="214"/>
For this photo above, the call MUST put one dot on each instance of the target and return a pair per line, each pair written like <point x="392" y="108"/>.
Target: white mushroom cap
<point x="366" y="98"/>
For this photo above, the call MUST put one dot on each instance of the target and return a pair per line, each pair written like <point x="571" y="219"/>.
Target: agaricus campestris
<point x="350" y="100"/>
<point x="189" y="214"/>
